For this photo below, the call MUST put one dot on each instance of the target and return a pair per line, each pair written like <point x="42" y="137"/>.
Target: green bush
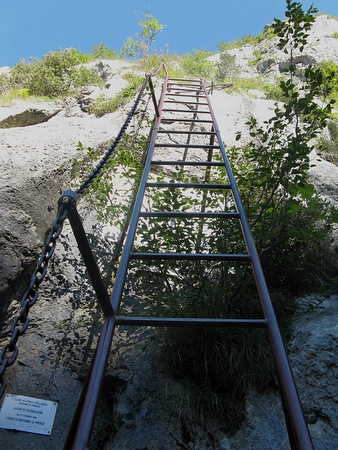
<point x="126" y="161"/>
<point x="4" y="83"/>
<point x="274" y="91"/>
<point x="329" y="74"/>
<point x="101" y="51"/>
<point x="257" y="57"/>
<point x="226" y="68"/>
<point x="237" y="43"/>
<point x="57" y="74"/>
<point x="150" y="63"/>
<point x="104" y="105"/>
<point x="245" y="84"/>
<point x="197" y="64"/>
<point x="79" y="57"/>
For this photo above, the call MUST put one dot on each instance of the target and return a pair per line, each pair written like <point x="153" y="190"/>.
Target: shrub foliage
<point x="56" y="74"/>
<point x="197" y="64"/>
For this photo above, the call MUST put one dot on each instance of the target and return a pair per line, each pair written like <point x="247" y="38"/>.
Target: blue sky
<point x="32" y="28"/>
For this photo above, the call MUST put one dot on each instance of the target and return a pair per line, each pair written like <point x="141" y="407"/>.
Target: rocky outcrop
<point x="16" y="244"/>
<point x="322" y="46"/>
<point x="314" y="358"/>
<point x="325" y="177"/>
<point x="35" y="162"/>
<point x="264" y="66"/>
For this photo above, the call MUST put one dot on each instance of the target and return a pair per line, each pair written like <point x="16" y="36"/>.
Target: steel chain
<point x="100" y="166"/>
<point x="20" y="323"/>
<point x="10" y="350"/>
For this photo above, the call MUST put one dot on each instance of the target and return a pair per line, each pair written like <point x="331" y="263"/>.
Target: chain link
<point x="20" y="323"/>
<point x="10" y="350"/>
<point x="100" y="166"/>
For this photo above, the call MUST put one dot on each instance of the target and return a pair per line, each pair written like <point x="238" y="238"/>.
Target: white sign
<point x="27" y="414"/>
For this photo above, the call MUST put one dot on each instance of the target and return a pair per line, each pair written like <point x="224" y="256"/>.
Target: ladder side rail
<point x="123" y="266"/>
<point x="93" y="388"/>
<point x="294" y="409"/>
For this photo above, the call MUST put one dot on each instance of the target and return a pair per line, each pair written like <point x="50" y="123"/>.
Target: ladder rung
<point x="189" y="321"/>
<point x="188" y="185"/>
<point x="196" y="84"/>
<point x="204" y="133"/>
<point x="190" y="256"/>
<point x="184" y="82"/>
<point x="186" y="103"/>
<point x="187" y="146"/>
<point x="177" y="90"/>
<point x="185" y="214"/>
<point x="186" y="120"/>
<point x="187" y="163"/>
<point x="172" y="94"/>
<point x="195" y="80"/>
<point x="185" y="111"/>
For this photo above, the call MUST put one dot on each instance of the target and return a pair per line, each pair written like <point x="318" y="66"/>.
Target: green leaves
<point x="197" y="64"/>
<point x="112" y="190"/>
<point x="140" y="45"/>
<point x="226" y="68"/>
<point x="286" y="214"/>
<point x="102" y="51"/>
<point x="57" y="74"/>
<point x="292" y="32"/>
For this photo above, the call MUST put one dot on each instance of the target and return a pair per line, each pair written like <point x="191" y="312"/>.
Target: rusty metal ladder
<point x="186" y="136"/>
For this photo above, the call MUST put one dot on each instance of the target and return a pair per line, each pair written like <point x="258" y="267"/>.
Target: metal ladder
<point x="186" y="136"/>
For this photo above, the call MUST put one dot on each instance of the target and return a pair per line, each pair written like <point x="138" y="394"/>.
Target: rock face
<point x="325" y="178"/>
<point x="16" y="244"/>
<point x="35" y="162"/>
<point x="313" y="355"/>
<point x="142" y="407"/>
<point x="322" y="46"/>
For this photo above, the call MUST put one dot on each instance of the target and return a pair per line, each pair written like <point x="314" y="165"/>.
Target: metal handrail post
<point x="287" y="383"/>
<point x="151" y="85"/>
<point x="86" y="252"/>
<point x="152" y="92"/>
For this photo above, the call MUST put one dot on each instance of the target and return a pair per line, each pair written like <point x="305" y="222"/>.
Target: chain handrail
<point x="20" y="323"/>
<point x="10" y="351"/>
<point x="103" y="162"/>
